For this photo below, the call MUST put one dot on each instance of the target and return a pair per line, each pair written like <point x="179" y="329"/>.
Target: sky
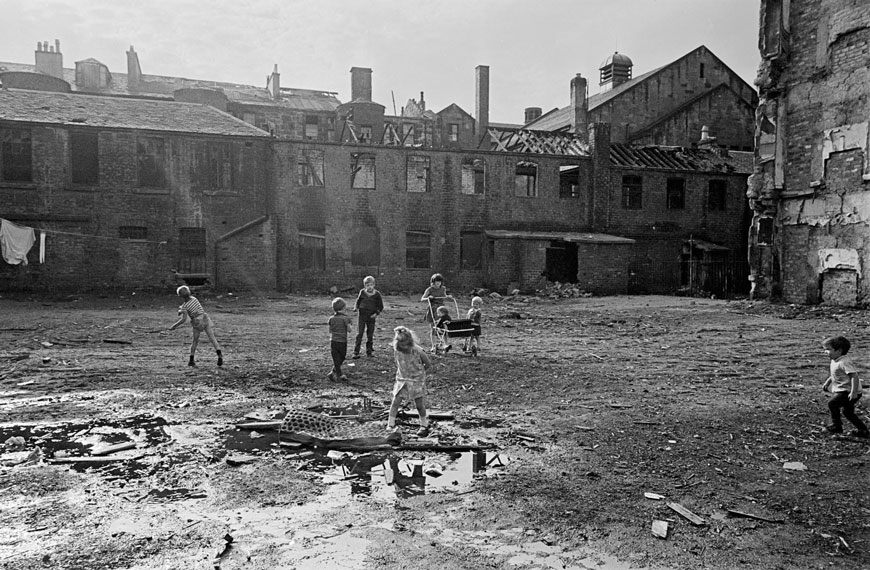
<point x="533" y="49"/>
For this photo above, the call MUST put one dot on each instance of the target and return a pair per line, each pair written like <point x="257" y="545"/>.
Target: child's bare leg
<point x="421" y="410"/>
<point x="194" y="343"/>
<point x="214" y="342"/>
<point x="394" y="411"/>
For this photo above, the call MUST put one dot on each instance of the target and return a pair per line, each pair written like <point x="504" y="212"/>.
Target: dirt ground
<point x="580" y="407"/>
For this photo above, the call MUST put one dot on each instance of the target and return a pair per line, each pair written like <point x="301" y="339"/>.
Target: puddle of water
<point x="81" y="439"/>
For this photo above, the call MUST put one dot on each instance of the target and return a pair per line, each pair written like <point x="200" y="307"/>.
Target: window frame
<point x="84" y="157"/>
<point x="311" y="122"/>
<point x="717" y="201"/>
<point x="419" y="250"/>
<point x="632" y="192"/>
<point x="573" y="187"/>
<point x="356" y="168"/>
<point x="453" y="132"/>
<point x="155" y="162"/>
<point x="309" y="170"/>
<point x="526" y="183"/>
<point x="473" y="176"/>
<point x="421" y="164"/>
<point x="312" y="257"/>
<point x="214" y="168"/>
<point x="675" y="194"/>
<point x="12" y="146"/>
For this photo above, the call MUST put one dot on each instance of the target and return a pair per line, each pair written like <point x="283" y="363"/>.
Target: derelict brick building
<point x="809" y="196"/>
<point x="285" y="188"/>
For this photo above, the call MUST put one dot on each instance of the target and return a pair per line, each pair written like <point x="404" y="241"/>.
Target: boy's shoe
<point x="191" y="362"/>
<point x="834" y="429"/>
<point x="863" y="434"/>
<point x="356" y="356"/>
<point x="220" y="359"/>
<point x="331" y="376"/>
<point x="423" y="432"/>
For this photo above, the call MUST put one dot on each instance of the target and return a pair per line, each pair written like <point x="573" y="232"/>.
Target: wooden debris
<point x="687" y="514"/>
<point x="114" y="448"/>
<point x="260" y="425"/>
<point x="660" y="529"/>
<point x="91" y="459"/>
<point x="751" y="516"/>
<point x="432" y="415"/>
<point x="654" y="496"/>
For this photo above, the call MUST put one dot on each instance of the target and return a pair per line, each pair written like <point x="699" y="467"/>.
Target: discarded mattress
<point x="319" y="430"/>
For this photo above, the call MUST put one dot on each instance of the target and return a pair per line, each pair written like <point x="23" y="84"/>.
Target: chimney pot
<point x="580" y="107"/>
<point x="532" y="113"/>
<point x="482" y="100"/>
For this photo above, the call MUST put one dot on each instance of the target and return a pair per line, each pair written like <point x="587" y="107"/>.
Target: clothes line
<point x="94" y="236"/>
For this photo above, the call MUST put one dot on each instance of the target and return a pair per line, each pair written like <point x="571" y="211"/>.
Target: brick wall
<point x="90" y="251"/>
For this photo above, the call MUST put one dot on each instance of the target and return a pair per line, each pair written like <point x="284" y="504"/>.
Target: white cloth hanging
<point x="41" y="247"/>
<point x="15" y="242"/>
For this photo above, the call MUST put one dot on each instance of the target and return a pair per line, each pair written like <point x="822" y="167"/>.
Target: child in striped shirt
<point x="199" y="321"/>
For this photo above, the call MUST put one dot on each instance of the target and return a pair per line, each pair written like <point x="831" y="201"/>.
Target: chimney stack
<point x="532" y="113"/>
<point x="134" y="72"/>
<point x="579" y="124"/>
<point x="360" y="84"/>
<point x="481" y="100"/>
<point x="49" y="60"/>
<point x="422" y="102"/>
<point x="273" y="84"/>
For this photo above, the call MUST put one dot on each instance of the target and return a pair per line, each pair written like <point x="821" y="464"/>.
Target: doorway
<point x="561" y="262"/>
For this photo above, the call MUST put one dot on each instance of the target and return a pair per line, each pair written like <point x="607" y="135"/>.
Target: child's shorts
<point x="201" y="323"/>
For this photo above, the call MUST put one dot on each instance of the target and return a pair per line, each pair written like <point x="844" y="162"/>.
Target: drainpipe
<point x="227" y="236"/>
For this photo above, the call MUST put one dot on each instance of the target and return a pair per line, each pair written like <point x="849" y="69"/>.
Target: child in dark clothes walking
<point x="845" y="386"/>
<point x="370" y="304"/>
<point x="339" y="327"/>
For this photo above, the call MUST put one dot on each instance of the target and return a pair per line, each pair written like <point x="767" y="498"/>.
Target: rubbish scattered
<point x="433" y="470"/>
<point x="236" y="460"/>
<point x="660" y="529"/>
<point x="794" y="466"/>
<point x="654" y="496"/>
<point x="687" y="514"/>
<point x="15" y="442"/>
<point x="256" y="435"/>
<point x="336" y="455"/>
<point x="751" y="516"/>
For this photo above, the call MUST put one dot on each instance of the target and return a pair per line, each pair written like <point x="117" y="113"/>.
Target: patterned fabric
<point x="192" y="307"/>
<point x="321" y="430"/>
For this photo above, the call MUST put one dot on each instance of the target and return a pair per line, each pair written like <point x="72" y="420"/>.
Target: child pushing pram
<point x="446" y="328"/>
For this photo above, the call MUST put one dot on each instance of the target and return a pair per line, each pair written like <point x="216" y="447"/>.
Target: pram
<point x="454" y="328"/>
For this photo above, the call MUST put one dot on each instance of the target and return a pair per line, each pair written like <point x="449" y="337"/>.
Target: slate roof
<point x="679" y="158"/>
<point x="165" y="85"/>
<point x="70" y="109"/>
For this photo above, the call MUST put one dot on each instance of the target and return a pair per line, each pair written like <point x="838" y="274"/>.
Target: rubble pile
<point x="562" y="290"/>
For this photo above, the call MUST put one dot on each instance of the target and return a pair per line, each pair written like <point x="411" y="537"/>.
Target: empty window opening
<point x="526" y="181"/>
<point x="676" y="194"/>
<point x="418" y="250"/>
<point x="84" y="157"/>
<point x="473" y="175"/>
<point x="418" y="174"/>
<point x="366" y="247"/>
<point x="765" y="231"/>
<point x="632" y="192"/>
<point x="365" y="134"/>
<point x="362" y="170"/>
<point x="150" y="161"/>
<point x="471" y="250"/>
<point x="16" y="156"/>
<point x="716" y="193"/>
<point x="312" y="251"/>
<point x="569" y="186"/>
<point x="453" y="135"/>
<point x="309" y="168"/>
<point x="312" y="126"/>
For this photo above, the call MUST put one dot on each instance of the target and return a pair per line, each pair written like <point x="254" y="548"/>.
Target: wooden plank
<point x="687" y="514"/>
<point x="751" y="516"/>
<point x="91" y="459"/>
<point x="113" y="448"/>
<point x="432" y="415"/>
<point x="260" y="425"/>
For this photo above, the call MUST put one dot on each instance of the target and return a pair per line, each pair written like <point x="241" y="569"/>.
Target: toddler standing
<point x="434" y="295"/>
<point x="339" y="327"/>
<point x="472" y="343"/>
<point x="199" y="321"/>
<point x="845" y="385"/>
<point x="412" y="367"/>
<point x="369" y="303"/>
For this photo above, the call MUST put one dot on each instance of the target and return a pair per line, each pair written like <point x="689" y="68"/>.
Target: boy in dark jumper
<point x="369" y="303"/>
